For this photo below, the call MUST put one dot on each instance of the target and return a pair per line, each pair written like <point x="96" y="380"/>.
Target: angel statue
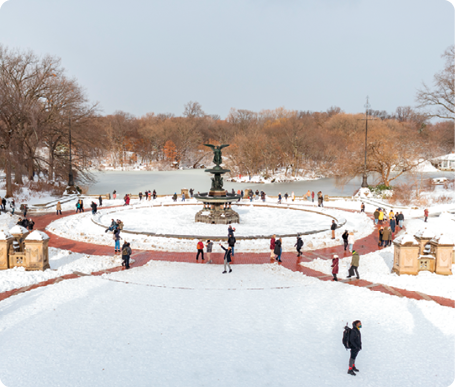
<point x="217" y="153"/>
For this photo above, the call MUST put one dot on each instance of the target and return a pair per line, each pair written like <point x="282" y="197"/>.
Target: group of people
<point x="228" y="252"/>
<point x="27" y="223"/>
<point x="12" y="205"/>
<point x="388" y="224"/>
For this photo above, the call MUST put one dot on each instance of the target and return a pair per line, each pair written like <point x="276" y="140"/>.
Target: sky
<point x="142" y="56"/>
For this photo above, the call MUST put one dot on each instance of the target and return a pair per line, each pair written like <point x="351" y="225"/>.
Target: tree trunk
<point x="9" y="184"/>
<point x="18" y="171"/>
<point x="51" y="164"/>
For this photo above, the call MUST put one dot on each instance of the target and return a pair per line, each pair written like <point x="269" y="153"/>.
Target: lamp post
<point x="365" y="176"/>
<point x="70" y="177"/>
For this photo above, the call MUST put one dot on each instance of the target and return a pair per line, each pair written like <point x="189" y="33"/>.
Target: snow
<point x="425" y="234"/>
<point x="5" y="235"/>
<point x="443" y="239"/>
<point x="37" y="235"/>
<point x="80" y="227"/>
<point x="364" y="192"/>
<point x="179" y="220"/>
<point x="62" y="262"/>
<point x="406" y="238"/>
<point x="426" y="166"/>
<point x="18" y="230"/>
<point x="376" y="267"/>
<point x="177" y="324"/>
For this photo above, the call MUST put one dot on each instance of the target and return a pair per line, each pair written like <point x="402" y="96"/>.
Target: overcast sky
<point x="144" y="56"/>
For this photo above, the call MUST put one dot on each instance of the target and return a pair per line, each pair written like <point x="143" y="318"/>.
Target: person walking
<point x="25" y="210"/>
<point x="94" y="208"/>
<point x="209" y="247"/>
<point x="227" y="258"/>
<point x="351" y="241"/>
<point x="183" y="197"/>
<point x="345" y="239"/>
<point x="386" y="236"/>
<point x="231" y="243"/>
<point x="13" y="206"/>
<point x="392" y="223"/>
<point x="354" y="265"/>
<point x="4" y="204"/>
<point x="126" y="254"/>
<point x="277" y="250"/>
<point x="100" y="201"/>
<point x="272" y="247"/>
<point x="299" y="246"/>
<point x="78" y="206"/>
<point x="355" y="344"/>
<point x="376" y="216"/>
<point x="82" y="205"/>
<point x="312" y="196"/>
<point x="58" y="207"/>
<point x="117" y="241"/>
<point x="362" y="207"/>
<point x="286" y="196"/>
<point x="200" y="250"/>
<point x="335" y="262"/>
<point x="333" y="227"/>
<point x="140" y="196"/>
<point x="251" y="195"/>
<point x="279" y="198"/>
<point x="391" y="216"/>
<point x="114" y="194"/>
<point x="401" y="220"/>
<point x="426" y="213"/>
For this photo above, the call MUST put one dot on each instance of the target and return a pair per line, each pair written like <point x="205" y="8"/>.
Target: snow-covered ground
<point x="80" y="227"/>
<point x="376" y="267"/>
<point x="62" y="262"/>
<point x="179" y="220"/>
<point x="261" y="325"/>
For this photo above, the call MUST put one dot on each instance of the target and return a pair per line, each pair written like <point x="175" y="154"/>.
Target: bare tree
<point x="440" y="98"/>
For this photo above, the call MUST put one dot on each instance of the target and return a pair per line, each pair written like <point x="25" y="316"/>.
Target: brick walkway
<point x="290" y="261"/>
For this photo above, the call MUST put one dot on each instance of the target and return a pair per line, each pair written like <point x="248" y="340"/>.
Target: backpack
<point x="200" y="246"/>
<point x="346" y="335"/>
<point x="125" y="251"/>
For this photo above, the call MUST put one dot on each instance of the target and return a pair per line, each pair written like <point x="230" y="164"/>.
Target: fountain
<point x="217" y="202"/>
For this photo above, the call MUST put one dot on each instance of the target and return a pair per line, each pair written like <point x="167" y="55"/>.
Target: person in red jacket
<point x="272" y="247"/>
<point x="426" y="213"/>
<point x="200" y="250"/>
<point x="335" y="261"/>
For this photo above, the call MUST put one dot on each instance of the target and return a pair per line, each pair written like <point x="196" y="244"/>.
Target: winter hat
<point x="335" y="256"/>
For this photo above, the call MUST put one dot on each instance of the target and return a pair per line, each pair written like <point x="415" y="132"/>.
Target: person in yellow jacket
<point x="381" y="216"/>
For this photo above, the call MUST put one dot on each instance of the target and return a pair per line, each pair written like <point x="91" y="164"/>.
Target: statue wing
<point x="224" y="146"/>
<point x="210" y="145"/>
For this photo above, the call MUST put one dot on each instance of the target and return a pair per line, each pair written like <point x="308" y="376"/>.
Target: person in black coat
<point x="299" y="246"/>
<point x="355" y="343"/>
<point x="345" y="239"/>
<point x="333" y="227"/>
<point x="227" y="258"/>
<point x="277" y="250"/>
<point x="30" y="224"/>
<point x="231" y="243"/>
<point x="100" y="200"/>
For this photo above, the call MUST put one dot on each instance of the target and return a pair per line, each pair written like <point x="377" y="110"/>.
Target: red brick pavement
<point x="290" y="261"/>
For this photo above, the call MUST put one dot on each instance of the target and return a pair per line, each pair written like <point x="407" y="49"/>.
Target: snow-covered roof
<point x="450" y="156"/>
<point x="406" y="238"/>
<point x="443" y="239"/>
<point x="425" y="234"/>
<point x="37" y="236"/>
<point x="18" y="230"/>
<point x="5" y="235"/>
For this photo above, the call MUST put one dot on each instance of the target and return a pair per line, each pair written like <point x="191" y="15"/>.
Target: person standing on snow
<point x="387" y="236"/>
<point x="114" y="194"/>
<point x="117" y="240"/>
<point x="362" y="207"/>
<point x="335" y="261"/>
<point x="279" y="198"/>
<point x="312" y="196"/>
<point x="299" y="246"/>
<point x="426" y="213"/>
<point x="286" y="196"/>
<point x="333" y="227"/>
<point x="100" y="200"/>
<point x="354" y="265"/>
<point x="227" y="258"/>
<point x="183" y="197"/>
<point x="209" y="247"/>
<point x="381" y="237"/>
<point x="355" y="344"/>
<point x="231" y="243"/>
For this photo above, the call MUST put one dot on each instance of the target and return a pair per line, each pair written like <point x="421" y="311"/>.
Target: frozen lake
<point x="168" y="182"/>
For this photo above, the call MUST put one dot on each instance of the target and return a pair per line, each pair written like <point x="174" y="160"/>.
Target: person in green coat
<point x="354" y="265"/>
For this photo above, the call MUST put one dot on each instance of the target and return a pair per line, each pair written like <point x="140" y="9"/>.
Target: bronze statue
<point x="217" y="160"/>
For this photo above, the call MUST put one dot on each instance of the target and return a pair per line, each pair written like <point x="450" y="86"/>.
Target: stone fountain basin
<point x="206" y="198"/>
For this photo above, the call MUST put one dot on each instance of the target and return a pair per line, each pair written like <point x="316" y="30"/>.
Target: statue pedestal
<point x="217" y="215"/>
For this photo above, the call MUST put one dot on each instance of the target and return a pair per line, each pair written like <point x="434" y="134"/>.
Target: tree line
<point x="40" y="106"/>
